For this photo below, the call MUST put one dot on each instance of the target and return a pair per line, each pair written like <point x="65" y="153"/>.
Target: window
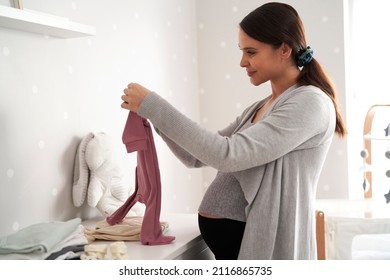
<point x="368" y="76"/>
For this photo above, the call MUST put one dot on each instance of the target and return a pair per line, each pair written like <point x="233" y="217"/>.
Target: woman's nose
<point x="243" y="62"/>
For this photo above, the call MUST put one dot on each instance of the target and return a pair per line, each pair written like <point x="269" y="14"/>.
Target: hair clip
<point x="305" y="57"/>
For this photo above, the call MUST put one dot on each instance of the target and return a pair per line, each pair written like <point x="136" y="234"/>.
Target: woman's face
<point x="261" y="61"/>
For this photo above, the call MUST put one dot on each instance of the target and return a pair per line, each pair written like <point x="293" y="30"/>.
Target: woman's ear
<point x="285" y="51"/>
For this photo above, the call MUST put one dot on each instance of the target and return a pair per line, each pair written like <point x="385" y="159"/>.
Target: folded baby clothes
<point x="128" y="230"/>
<point x="67" y="253"/>
<point x="63" y="250"/>
<point x="36" y="241"/>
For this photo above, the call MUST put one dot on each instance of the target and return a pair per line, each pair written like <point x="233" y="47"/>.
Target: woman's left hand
<point x="133" y="96"/>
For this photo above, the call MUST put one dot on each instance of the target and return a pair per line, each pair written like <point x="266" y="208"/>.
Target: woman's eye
<point x="250" y="53"/>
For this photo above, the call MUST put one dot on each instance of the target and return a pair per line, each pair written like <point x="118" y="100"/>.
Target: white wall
<point x="54" y="91"/>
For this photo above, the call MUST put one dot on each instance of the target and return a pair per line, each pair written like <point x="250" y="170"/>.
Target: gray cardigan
<point x="277" y="162"/>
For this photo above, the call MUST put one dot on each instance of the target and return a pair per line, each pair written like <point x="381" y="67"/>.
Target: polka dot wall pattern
<point x="325" y="186"/>
<point x="10" y="173"/>
<point x="71" y="119"/>
<point x="6" y="51"/>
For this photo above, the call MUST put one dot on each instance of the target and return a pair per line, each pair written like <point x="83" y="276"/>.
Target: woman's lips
<point x="251" y="73"/>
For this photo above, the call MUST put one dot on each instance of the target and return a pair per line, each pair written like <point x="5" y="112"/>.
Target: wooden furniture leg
<point x="320" y="234"/>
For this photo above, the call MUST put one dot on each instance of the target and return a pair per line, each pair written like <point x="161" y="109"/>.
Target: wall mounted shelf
<point x="42" y="23"/>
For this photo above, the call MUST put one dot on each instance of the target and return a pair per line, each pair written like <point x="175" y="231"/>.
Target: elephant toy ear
<point x="81" y="172"/>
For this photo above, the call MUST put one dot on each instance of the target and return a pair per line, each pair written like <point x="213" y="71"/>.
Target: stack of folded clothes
<point x="50" y="240"/>
<point x="128" y="230"/>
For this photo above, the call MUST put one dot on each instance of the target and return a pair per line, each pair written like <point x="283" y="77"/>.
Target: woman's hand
<point x="133" y="96"/>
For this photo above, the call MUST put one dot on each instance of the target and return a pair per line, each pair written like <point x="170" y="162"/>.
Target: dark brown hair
<point x="276" y="23"/>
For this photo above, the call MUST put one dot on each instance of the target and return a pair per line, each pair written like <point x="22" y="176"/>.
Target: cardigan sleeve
<point x="185" y="157"/>
<point x="289" y="123"/>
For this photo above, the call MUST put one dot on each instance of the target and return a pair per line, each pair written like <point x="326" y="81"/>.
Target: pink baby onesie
<point x="138" y="136"/>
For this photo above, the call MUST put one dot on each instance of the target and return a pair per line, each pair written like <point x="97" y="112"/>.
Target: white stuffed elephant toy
<point x="98" y="176"/>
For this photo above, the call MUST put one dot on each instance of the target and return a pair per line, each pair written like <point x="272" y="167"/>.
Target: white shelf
<point x="42" y="23"/>
<point x="188" y="244"/>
